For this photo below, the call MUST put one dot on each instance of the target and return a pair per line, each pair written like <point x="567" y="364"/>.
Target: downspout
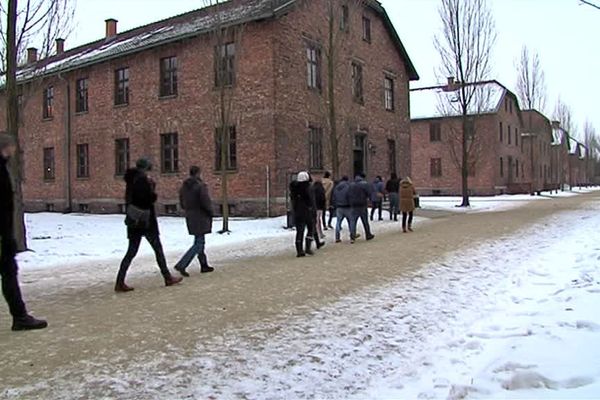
<point x="67" y="146"/>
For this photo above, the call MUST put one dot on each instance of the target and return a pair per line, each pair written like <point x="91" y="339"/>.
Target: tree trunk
<point x="12" y="123"/>
<point x="224" y="133"/>
<point x="465" y="164"/>
<point x="333" y="136"/>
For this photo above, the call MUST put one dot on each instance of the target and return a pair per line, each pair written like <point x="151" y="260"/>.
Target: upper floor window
<point x="436" y="167"/>
<point x="501" y="132"/>
<point x="48" y="110"/>
<point x="83" y="161"/>
<point x="316" y="148"/>
<point x="49" y="164"/>
<point x="168" y="76"/>
<point x="169" y="153"/>
<point x="366" y="23"/>
<point x="121" y="156"/>
<point x="226" y="146"/>
<point x="122" y="86"/>
<point x="509" y="134"/>
<point x="389" y="95"/>
<point x="313" y="66"/>
<point x="501" y="167"/>
<point x="357" y="83"/>
<point x="225" y="65"/>
<point x="81" y="97"/>
<point x="344" y="18"/>
<point x="435" y="132"/>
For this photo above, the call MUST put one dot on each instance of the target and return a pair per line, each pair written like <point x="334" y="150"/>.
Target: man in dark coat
<point x="140" y="196"/>
<point x="392" y="187"/>
<point x="196" y="202"/>
<point x="342" y="208"/>
<point x="358" y="196"/>
<point x="304" y="213"/>
<point x="8" y="247"/>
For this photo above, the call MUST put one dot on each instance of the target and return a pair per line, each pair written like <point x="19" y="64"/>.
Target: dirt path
<point x="93" y="329"/>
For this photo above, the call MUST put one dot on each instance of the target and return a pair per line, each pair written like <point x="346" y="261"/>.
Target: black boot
<point x="308" y="247"/>
<point x="300" y="250"/>
<point x="182" y="271"/>
<point x="204" y="267"/>
<point x="28" y="323"/>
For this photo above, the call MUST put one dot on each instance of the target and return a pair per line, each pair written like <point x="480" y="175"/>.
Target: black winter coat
<point x="393" y="186"/>
<point x="196" y="202"/>
<point x="7" y="208"/>
<point x="302" y="203"/>
<point x="140" y="191"/>
<point x="320" y="196"/>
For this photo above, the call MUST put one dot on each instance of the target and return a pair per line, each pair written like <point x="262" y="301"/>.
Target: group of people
<point x="349" y="201"/>
<point x="310" y="200"/>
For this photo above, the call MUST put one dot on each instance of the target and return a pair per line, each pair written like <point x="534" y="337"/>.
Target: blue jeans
<point x="341" y="214"/>
<point x="197" y="249"/>
<point x="394" y="205"/>
<point x="363" y="214"/>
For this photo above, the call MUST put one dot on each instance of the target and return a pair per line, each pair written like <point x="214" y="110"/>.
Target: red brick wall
<point x="272" y="108"/>
<point x="540" y="169"/>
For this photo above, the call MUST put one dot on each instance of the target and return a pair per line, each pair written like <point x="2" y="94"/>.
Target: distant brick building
<point x="89" y="112"/>
<point x="541" y="168"/>
<point x="498" y="163"/>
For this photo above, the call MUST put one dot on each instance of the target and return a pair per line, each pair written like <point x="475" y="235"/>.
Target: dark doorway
<point x="360" y="154"/>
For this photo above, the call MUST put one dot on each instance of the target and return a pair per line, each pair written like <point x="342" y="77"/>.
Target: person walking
<point x="11" y="290"/>
<point x="343" y="210"/>
<point x="392" y="187"/>
<point x="407" y="203"/>
<point x="195" y="200"/>
<point x="302" y="206"/>
<point x="377" y="196"/>
<point x="141" y="221"/>
<point x="320" y="205"/>
<point x="328" y="184"/>
<point x="359" y="195"/>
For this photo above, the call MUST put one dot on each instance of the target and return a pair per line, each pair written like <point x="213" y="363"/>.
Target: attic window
<point x="366" y="22"/>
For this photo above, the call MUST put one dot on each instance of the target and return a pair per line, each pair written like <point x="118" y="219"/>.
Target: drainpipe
<point x="268" y="191"/>
<point x="67" y="146"/>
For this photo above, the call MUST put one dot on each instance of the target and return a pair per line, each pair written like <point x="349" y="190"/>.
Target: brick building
<point x="89" y="112"/>
<point x="498" y="159"/>
<point x="541" y="168"/>
<point x="577" y="167"/>
<point x="560" y="154"/>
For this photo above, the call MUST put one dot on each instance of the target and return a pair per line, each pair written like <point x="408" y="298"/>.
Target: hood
<point x="406" y="184"/>
<point x="131" y="174"/>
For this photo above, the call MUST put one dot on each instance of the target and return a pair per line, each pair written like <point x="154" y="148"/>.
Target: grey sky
<point x="564" y="32"/>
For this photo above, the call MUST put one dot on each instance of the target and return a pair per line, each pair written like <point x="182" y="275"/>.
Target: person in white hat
<point x="302" y="206"/>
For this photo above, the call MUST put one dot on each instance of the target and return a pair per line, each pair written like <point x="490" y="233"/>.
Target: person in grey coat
<point x="358" y="196"/>
<point x="196" y="202"/>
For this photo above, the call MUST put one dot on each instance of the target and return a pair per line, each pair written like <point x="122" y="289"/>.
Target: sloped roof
<point x="155" y="34"/>
<point x="186" y="25"/>
<point x="559" y="136"/>
<point x="576" y="148"/>
<point x="438" y="102"/>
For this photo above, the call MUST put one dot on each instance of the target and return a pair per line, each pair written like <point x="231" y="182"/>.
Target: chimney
<point x="60" y="46"/>
<point x="32" y="55"/>
<point x="111" y="28"/>
<point x="555" y="124"/>
<point x="450" y="81"/>
<point x="451" y="85"/>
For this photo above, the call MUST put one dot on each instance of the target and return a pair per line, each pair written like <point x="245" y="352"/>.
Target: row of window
<point x="519" y="168"/>
<point x="314" y="78"/>
<point x="508" y="135"/>
<point x="168" y="81"/>
<point x="436" y="171"/>
<point x="169" y="155"/>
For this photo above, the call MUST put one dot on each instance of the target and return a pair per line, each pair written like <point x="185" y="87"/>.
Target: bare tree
<point x="531" y="81"/>
<point x="564" y="114"/>
<point x="27" y="22"/>
<point x="465" y="46"/>
<point x="227" y="39"/>
<point x="592" y="148"/>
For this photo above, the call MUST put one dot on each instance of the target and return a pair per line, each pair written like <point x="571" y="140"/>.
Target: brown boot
<point x="172" y="280"/>
<point x="123" y="288"/>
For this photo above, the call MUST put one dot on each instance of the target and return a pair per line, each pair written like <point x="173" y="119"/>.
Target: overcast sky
<point x="564" y="33"/>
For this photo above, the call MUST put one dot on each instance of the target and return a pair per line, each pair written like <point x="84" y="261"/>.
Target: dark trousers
<point x="10" y="287"/>
<point x="331" y="214"/>
<point x="197" y="249"/>
<point x="407" y="216"/>
<point x="394" y="204"/>
<point x="134" y="245"/>
<point x="361" y="213"/>
<point x="377" y="205"/>
<point x="305" y="226"/>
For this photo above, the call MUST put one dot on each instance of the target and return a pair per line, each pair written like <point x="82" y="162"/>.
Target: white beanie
<point x="303" y="177"/>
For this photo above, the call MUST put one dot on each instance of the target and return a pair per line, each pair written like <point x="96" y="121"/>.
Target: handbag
<point x="137" y="218"/>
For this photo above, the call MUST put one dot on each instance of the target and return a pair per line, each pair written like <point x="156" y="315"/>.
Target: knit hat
<point x="144" y="164"/>
<point x="6" y="140"/>
<point x="303" y="177"/>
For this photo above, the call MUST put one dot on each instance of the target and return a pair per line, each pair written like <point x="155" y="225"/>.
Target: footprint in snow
<point x="588" y="325"/>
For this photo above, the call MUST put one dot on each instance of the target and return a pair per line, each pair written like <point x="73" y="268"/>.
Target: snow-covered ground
<point x="61" y="240"/>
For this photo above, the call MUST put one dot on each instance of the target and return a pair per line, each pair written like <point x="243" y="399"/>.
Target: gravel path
<point x="96" y="337"/>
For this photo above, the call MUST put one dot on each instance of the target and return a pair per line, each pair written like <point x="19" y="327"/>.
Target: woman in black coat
<point x="303" y="207"/>
<point x="196" y="202"/>
<point x="320" y="199"/>
<point x="140" y="196"/>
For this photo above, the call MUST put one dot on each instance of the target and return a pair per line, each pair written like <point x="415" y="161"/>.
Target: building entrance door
<point x="360" y="158"/>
